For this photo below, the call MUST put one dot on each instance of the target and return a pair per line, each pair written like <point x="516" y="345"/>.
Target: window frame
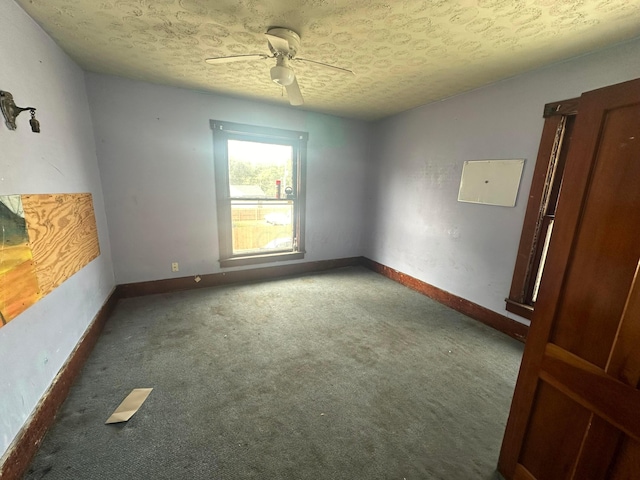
<point x="559" y="119"/>
<point x="224" y="131"/>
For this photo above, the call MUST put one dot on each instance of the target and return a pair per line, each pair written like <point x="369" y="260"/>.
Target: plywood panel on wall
<point x="18" y="282"/>
<point x="63" y="235"/>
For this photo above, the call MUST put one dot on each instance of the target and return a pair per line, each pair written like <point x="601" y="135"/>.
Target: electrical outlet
<point x="174" y="267"/>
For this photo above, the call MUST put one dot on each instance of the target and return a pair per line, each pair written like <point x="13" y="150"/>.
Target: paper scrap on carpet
<point x="129" y="405"/>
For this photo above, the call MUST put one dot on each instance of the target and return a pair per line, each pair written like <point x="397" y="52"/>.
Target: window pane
<point x="259" y="170"/>
<point x="543" y="259"/>
<point x="259" y="175"/>
<point x="262" y="227"/>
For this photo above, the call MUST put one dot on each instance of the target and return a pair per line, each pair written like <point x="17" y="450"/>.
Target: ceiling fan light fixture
<point x="282" y="75"/>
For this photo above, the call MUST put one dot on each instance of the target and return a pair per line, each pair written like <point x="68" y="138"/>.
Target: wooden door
<point x="576" y="408"/>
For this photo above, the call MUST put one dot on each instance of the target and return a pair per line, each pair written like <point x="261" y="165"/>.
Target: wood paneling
<point x="599" y="447"/>
<point x="26" y="444"/>
<point x="63" y="235"/>
<point x="522" y="473"/>
<point x="593" y="388"/>
<point x="549" y="446"/>
<point x="18" y="290"/>
<point x="627" y="466"/>
<point x="608" y="238"/>
<point x="18" y="282"/>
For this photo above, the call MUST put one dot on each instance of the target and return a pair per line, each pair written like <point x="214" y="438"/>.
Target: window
<point x="541" y="209"/>
<point x="260" y="193"/>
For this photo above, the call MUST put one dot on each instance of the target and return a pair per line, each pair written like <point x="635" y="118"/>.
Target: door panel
<point x="607" y="246"/>
<point x="548" y="445"/>
<point x="627" y="466"/>
<point x="598" y="450"/>
<point x="576" y="409"/>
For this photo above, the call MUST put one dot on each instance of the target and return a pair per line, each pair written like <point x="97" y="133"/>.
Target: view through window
<point x="260" y="192"/>
<point x="260" y="174"/>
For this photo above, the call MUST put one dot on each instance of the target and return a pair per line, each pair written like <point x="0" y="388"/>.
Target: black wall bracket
<point x="11" y="111"/>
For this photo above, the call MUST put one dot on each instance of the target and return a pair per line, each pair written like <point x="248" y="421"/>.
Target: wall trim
<point x="20" y="453"/>
<point x="482" y="314"/>
<point x="18" y="457"/>
<point x="168" y="285"/>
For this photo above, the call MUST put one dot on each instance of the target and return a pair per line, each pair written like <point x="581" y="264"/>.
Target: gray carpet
<point x="338" y="375"/>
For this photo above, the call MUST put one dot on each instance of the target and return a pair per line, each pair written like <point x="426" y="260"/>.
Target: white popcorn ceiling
<point x="404" y="53"/>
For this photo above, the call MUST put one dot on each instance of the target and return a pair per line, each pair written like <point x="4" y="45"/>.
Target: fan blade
<point x="294" y="93"/>
<point x="337" y="69"/>
<point x="236" y="58"/>
<point x="278" y="44"/>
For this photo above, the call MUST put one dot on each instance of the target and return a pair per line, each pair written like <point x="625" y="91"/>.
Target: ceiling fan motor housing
<point x="290" y="36"/>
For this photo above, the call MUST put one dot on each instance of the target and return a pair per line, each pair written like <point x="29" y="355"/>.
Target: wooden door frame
<point x="579" y="168"/>
<point x="553" y="144"/>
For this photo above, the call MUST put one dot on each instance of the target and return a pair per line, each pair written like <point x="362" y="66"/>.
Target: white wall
<point x="417" y="225"/>
<point x="155" y="151"/>
<point x="61" y="159"/>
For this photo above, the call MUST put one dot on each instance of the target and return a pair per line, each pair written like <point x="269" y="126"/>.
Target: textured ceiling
<point x="404" y="53"/>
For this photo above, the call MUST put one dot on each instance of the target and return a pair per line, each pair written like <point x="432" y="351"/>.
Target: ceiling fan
<point x="284" y="45"/>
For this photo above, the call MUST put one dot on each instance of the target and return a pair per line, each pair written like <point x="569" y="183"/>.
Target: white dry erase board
<point x="492" y="182"/>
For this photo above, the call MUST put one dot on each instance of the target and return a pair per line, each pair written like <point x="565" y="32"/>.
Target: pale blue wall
<point x="417" y="226"/>
<point x="61" y="159"/>
<point x="155" y="151"/>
